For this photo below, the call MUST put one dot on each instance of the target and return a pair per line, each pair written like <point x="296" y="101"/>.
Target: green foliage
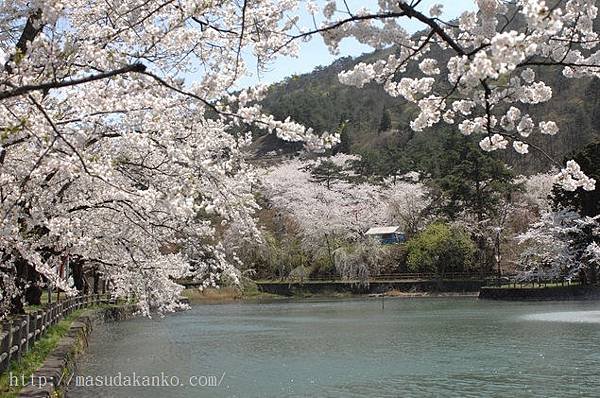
<point x="386" y="121"/>
<point x="345" y="145"/>
<point x="327" y="172"/>
<point x="282" y="254"/>
<point x="440" y="249"/>
<point x="319" y="100"/>
<point x="586" y="203"/>
<point x="370" y="165"/>
<point x="468" y="178"/>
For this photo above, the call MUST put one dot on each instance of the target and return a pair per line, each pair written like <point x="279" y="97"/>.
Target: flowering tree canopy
<point x="120" y="141"/>
<point x="488" y="83"/>
<point x="343" y="208"/>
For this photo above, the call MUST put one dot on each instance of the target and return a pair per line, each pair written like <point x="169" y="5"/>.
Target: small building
<point x="387" y="235"/>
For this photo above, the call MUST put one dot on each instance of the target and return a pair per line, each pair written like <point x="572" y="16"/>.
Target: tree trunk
<point x="96" y="282"/>
<point x="78" y="274"/>
<point x="28" y="279"/>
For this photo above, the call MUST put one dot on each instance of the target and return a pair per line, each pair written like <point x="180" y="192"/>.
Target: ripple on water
<point x="568" y="316"/>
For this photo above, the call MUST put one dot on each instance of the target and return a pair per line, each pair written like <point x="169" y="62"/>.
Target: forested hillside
<point x="378" y="123"/>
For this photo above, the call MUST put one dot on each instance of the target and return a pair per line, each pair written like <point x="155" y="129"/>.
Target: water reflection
<point x="571" y="316"/>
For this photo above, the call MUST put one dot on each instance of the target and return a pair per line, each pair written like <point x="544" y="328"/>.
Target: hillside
<point x="318" y="100"/>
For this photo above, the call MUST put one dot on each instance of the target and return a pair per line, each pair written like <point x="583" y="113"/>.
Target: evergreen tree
<point x="469" y="179"/>
<point x="471" y="183"/>
<point x="369" y="165"/>
<point x="345" y="145"/>
<point x="327" y="172"/>
<point x="386" y="121"/>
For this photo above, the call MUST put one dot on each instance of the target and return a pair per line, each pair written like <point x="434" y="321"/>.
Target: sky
<point x="315" y="53"/>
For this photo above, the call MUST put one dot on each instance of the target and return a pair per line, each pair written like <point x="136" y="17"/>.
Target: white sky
<point x="315" y="53"/>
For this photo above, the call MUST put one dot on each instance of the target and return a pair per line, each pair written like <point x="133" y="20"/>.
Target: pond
<point x="451" y="347"/>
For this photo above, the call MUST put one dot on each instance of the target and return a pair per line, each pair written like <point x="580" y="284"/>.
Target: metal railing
<point x="20" y="332"/>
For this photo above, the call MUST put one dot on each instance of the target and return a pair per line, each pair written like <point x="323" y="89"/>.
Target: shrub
<point x="440" y="249"/>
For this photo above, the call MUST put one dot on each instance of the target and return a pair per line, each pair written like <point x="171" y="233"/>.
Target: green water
<point x="353" y="348"/>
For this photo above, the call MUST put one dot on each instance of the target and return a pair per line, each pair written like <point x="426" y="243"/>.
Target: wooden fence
<point x="404" y="276"/>
<point x="19" y="333"/>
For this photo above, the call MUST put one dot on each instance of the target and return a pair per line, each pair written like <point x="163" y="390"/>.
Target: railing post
<point x="33" y="326"/>
<point x="55" y="313"/>
<point x="42" y="323"/>
<point x="5" y="345"/>
<point x="47" y="319"/>
<point x="15" y="339"/>
<point x="39" y="324"/>
<point x="25" y="334"/>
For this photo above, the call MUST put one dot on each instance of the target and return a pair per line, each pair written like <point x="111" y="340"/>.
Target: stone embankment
<point x="58" y="368"/>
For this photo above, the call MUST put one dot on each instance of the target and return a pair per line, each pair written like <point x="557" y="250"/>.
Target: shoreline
<point x="60" y="363"/>
<point x="550" y="293"/>
<point x="554" y="293"/>
<point x="231" y="296"/>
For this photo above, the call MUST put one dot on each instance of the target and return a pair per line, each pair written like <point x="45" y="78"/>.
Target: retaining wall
<point x="322" y="287"/>
<point x="59" y="366"/>
<point x="541" y="293"/>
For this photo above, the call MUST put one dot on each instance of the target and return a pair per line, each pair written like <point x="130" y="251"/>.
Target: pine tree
<point x="327" y="172"/>
<point x="345" y="145"/>
<point x="386" y="121"/>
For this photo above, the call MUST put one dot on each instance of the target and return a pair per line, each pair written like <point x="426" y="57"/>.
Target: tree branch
<point x="136" y="68"/>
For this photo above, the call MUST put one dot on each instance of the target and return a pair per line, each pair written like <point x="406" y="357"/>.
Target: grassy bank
<point x="251" y="293"/>
<point x="224" y="294"/>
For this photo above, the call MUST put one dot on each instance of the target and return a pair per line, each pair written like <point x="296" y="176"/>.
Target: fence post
<point x="33" y="326"/>
<point x="54" y="312"/>
<point x="5" y="345"/>
<point x="42" y="323"/>
<point x="16" y="338"/>
<point x="25" y="333"/>
<point x="47" y="319"/>
<point x="39" y="315"/>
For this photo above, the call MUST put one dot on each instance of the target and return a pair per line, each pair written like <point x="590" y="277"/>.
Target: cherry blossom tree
<point x="488" y="84"/>
<point x="561" y="245"/>
<point x="121" y="144"/>
<point x="537" y="190"/>
<point x="343" y="210"/>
